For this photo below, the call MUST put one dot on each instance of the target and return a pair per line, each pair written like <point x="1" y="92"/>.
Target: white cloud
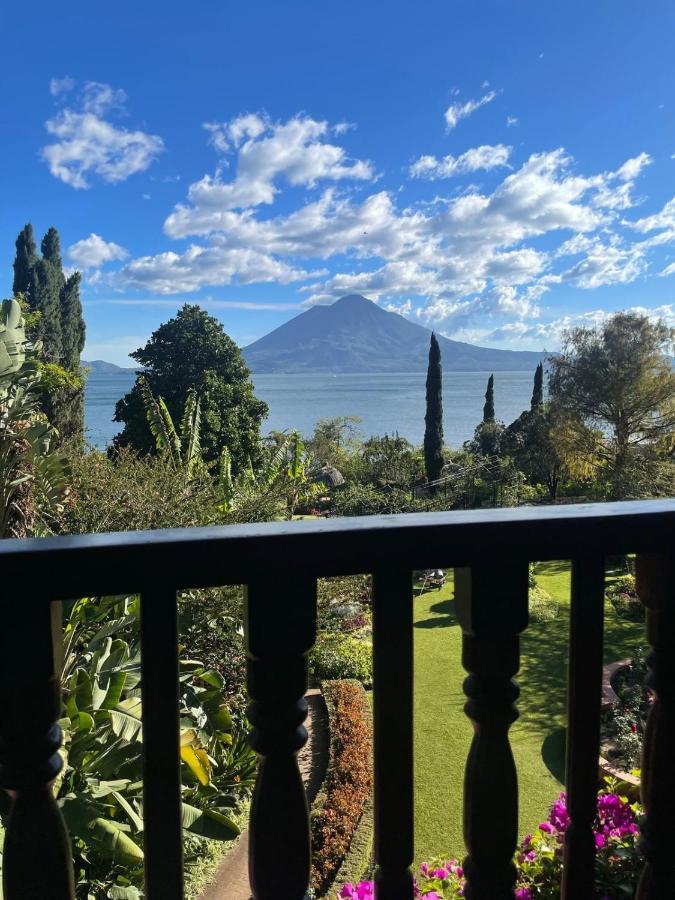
<point x="61" y="85"/>
<point x="249" y="305"/>
<point x="93" y="252"/>
<point x="457" y="111"/>
<point x="295" y="150"/>
<point x="88" y="145"/>
<point x="197" y="267"/>
<point x="486" y="157"/>
<point x="511" y="121"/>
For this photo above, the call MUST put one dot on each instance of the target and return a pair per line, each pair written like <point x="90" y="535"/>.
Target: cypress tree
<point x="538" y="389"/>
<point x="51" y="253"/>
<point x="72" y="323"/>
<point x="489" y="407"/>
<point x="25" y="262"/>
<point x="46" y="300"/>
<point x="433" y="420"/>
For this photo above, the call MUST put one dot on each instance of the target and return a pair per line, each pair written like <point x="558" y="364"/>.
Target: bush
<point x="539" y="858"/>
<point x="622" y="594"/>
<point x="342" y="656"/>
<point x="129" y="492"/>
<point x="348" y="784"/>
<point x="543" y="608"/>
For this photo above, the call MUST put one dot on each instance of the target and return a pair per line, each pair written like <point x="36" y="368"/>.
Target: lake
<point x="385" y="403"/>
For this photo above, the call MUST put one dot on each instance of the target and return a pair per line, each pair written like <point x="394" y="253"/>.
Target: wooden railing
<point x="279" y="564"/>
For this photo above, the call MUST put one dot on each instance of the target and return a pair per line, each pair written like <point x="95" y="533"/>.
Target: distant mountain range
<point x="356" y="335"/>
<point x="101" y="367"/>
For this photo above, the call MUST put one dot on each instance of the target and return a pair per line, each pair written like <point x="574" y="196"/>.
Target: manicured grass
<point x="443" y="733"/>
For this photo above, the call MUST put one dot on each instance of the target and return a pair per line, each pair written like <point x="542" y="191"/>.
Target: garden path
<point x="230" y="880"/>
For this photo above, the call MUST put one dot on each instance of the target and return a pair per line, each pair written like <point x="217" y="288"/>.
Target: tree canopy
<point x="191" y="352"/>
<point x="617" y="385"/>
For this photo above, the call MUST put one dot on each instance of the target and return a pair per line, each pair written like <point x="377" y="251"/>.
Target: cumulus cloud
<point x="295" y="151"/>
<point x="197" y="267"/>
<point x="87" y="145"/>
<point x="457" y="111"/>
<point x="93" y="252"/>
<point x="486" y="157"/>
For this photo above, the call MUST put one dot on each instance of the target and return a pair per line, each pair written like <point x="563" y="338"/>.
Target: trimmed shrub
<point x="342" y="656"/>
<point x="348" y="784"/>
<point x="543" y="608"/>
<point x="622" y="594"/>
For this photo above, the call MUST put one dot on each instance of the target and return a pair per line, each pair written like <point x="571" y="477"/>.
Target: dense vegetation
<point x="191" y="453"/>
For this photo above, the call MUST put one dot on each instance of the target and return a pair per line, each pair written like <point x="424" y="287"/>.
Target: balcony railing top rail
<point x="279" y="564"/>
<point x="70" y="566"/>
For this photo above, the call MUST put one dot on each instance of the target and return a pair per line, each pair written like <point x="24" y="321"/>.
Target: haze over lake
<point x="385" y="402"/>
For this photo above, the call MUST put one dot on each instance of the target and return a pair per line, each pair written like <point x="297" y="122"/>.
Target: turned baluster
<point x="656" y="589"/>
<point x="280" y="629"/>
<point x="393" y="727"/>
<point x="37" y="860"/>
<point x="492" y="608"/>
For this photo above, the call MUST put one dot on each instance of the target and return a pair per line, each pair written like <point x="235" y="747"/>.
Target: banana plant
<point x="100" y="788"/>
<point x="278" y="486"/>
<point x="182" y="447"/>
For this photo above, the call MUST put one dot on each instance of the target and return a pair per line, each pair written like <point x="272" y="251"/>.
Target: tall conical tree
<point x="46" y="299"/>
<point x="538" y="389"/>
<point x="433" y="420"/>
<point x="72" y="323"/>
<point x="51" y="253"/>
<point x="25" y="262"/>
<point x="489" y="407"/>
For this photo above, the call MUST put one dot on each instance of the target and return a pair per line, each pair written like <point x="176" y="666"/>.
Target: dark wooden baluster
<point x="393" y="727"/>
<point x="280" y="629"/>
<point x="492" y="607"/>
<point x="37" y="860"/>
<point x="583" y="732"/>
<point x="656" y="589"/>
<point x="163" y="838"/>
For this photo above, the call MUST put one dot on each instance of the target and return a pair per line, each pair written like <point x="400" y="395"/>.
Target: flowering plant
<point x="539" y="858"/>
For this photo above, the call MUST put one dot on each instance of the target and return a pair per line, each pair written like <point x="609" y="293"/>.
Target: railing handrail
<point x="86" y="565"/>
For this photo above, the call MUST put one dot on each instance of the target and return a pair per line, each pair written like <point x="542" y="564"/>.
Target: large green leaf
<point x="126" y="719"/>
<point x="208" y="823"/>
<point x="110" y="840"/>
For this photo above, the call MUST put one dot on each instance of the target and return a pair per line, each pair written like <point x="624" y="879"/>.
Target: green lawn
<point x="443" y="733"/>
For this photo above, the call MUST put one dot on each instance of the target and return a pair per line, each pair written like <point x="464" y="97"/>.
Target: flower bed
<point x="626" y="703"/>
<point x="348" y="783"/>
<point x="539" y="858"/>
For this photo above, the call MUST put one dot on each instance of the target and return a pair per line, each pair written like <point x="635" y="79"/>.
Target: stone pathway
<point x="230" y="880"/>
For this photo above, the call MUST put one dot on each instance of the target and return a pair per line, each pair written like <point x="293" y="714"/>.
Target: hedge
<point x="347" y="788"/>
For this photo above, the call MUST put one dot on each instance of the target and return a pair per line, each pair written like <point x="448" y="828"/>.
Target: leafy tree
<point x="617" y="385"/>
<point x="489" y="406"/>
<point x="390" y="462"/>
<point x="532" y="442"/>
<point x="24" y="262"/>
<point x="334" y="440"/>
<point x="538" y="388"/>
<point x="433" y="420"/>
<point x="192" y="352"/>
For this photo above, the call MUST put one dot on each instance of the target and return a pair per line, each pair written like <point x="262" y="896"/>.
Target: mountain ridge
<point x="355" y="335"/>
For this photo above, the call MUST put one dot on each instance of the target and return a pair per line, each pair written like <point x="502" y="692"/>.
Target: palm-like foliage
<point x="100" y="788"/>
<point x="33" y="476"/>
<point x="275" y="489"/>
<point x="182" y="447"/>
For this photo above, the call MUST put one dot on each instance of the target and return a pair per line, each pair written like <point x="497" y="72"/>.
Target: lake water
<point x="385" y="403"/>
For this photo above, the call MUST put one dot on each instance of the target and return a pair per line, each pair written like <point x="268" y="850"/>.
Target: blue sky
<point x="495" y="170"/>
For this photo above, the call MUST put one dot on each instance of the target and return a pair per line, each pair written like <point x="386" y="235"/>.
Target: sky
<point x="497" y="171"/>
